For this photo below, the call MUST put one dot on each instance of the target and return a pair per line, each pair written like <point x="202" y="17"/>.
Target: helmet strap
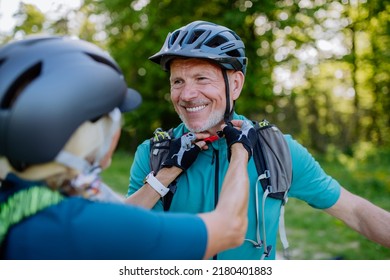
<point x="73" y="161"/>
<point x="228" y="113"/>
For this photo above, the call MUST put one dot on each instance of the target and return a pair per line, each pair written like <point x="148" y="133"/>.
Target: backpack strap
<point x="273" y="163"/>
<point x="272" y="157"/>
<point x="159" y="150"/>
<point x="25" y="203"/>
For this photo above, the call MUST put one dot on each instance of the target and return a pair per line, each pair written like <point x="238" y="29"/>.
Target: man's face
<point x="198" y="93"/>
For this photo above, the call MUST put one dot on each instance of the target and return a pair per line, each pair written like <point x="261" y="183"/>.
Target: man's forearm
<point x="146" y="196"/>
<point x="362" y="216"/>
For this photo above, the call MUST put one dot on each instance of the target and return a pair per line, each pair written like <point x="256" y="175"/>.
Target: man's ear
<point x="237" y="79"/>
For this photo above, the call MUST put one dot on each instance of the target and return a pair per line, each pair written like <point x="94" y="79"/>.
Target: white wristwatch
<point x="156" y="184"/>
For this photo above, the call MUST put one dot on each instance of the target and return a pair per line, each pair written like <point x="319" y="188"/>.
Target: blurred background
<point x="319" y="69"/>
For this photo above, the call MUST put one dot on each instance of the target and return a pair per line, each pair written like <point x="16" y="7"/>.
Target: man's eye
<point x="203" y="79"/>
<point x="175" y="82"/>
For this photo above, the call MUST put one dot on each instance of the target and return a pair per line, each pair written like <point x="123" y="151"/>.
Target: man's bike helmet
<point x="49" y="86"/>
<point x="201" y="39"/>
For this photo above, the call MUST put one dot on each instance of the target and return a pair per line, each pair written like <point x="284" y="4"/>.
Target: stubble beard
<point x="213" y="120"/>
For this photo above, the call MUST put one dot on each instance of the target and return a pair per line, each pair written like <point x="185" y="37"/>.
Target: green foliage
<point x="367" y="170"/>
<point x="34" y="19"/>
<point x="117" y="175"/>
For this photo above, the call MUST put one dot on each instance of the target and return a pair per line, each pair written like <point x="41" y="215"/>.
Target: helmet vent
<point x="195" y="36"/>
<point x="19" y="84"/>
<point x="174" y="37"/>
<point x="234" y="53"/>
<point x="105" y="61"/>
<point x="216" y="41"/>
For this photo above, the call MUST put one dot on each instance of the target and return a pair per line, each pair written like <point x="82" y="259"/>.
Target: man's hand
<point x="182" y="152"/>
<point x="246" y="136"/>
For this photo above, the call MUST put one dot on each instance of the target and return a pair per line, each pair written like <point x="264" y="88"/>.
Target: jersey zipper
<point x="216" y="184"/>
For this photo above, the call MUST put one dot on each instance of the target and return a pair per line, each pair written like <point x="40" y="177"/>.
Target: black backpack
<point x="273" y="163"/>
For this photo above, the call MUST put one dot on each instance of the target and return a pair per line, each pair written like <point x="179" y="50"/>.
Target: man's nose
<point x="188" y="92"/>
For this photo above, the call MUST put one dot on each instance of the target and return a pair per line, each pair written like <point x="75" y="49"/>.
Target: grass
<point x="312" y="234"/>
<point x="117" y="175"/>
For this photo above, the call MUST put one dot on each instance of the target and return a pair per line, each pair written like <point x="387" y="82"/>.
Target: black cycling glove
<point x="246" y="136"/>
<point x="182" y="152"/>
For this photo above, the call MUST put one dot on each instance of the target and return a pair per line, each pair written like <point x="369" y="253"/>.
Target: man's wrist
<point x="167" y="174"/>
<point x="239" y="148"/>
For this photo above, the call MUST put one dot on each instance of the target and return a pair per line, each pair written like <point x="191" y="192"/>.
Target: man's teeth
<point x="196" y="109"/>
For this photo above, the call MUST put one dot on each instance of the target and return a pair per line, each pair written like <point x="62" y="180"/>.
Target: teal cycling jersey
<point x="198" y="189"/>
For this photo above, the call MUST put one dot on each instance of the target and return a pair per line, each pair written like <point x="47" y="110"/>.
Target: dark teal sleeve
<point x="139" y="169"/>
<point x="80" y="229"/>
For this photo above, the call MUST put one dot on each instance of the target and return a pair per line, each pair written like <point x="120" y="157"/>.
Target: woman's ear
<point x="237" y="79"/>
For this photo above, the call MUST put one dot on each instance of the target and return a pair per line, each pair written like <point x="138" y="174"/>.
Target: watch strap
<point x="156" y="184"/>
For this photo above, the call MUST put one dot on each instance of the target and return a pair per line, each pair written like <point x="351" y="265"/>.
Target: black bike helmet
<point x="201" y="39"/>
<point x="49" y="86"/>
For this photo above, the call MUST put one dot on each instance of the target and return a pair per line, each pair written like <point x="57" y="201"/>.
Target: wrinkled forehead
<point x="195" y="64"/>
<point x="180" y="62"/>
